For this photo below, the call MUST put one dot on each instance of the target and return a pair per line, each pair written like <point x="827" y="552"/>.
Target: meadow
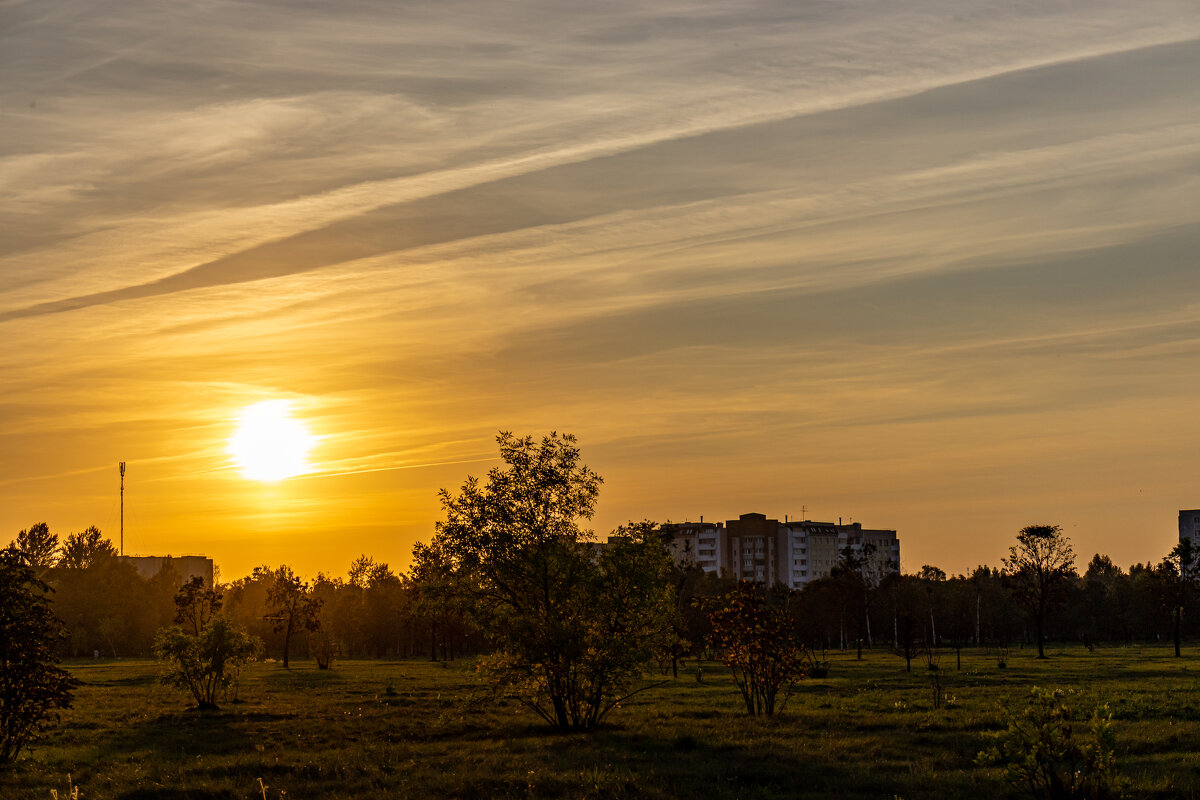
<point x="396" y="729"/>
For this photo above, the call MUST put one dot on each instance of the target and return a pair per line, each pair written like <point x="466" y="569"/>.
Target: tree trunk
<point x="1041" y="637"/>
<point x="1178" y="622"/>
<point x="287" y="644"/>
<point x="978" y="603"/>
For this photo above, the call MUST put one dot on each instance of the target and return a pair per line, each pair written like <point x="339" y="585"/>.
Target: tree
<point x="1181" y="572"/>
<point x="196" y="605"/>
<point x="86" y="548"/>
<point x="207" y="663"/>
<point x="293" y="608"/>
<point x="758" y="644"/>
<point x="574" y="624"/>
<point x="38" y="546"/>
<point x="1039" y="565"/>
<point x="32" y="684"/>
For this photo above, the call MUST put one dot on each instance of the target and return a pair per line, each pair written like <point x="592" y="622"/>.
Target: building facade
<point x="756" y="548"/>
<point x="186" y="567"/>
<point x="1189" y="525"/>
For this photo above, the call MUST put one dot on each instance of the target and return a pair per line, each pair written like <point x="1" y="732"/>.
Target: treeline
<point x="376" y="612"/>
<point x="372" y="612"/>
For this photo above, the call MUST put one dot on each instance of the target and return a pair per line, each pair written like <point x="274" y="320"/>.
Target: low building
<point x="185" y="567"/>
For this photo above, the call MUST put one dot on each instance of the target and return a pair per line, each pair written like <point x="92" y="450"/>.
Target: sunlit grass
<point x="400" y="729"/>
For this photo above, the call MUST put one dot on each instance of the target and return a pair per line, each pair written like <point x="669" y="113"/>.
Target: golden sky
<point x="930" y="266"/>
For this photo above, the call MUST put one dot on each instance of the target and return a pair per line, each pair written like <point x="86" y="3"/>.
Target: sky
<point x="929" y="266"/>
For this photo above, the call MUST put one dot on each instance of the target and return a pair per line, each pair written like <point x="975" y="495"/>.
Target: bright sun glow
<point x="268" y="444"/>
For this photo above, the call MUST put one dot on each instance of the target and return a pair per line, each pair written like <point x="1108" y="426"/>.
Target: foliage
<point x="1042" y="752"/>
<point x="573" y="625"/>
<point x="293" y="608"/>
<point x="1040" y="565"/>
<point x="38" y="546"/>
<point x="32" y="684"/>
<point x="1180" y="572"/>
<point x="85" y="549"/>
<point x="757" y="643"/>
<point x="196" y="605"/>
<point x="205" y="664"/>
<point x="323" y="647"/>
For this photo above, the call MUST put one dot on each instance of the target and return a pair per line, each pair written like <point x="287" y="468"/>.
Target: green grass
<point x="415" y="729"/>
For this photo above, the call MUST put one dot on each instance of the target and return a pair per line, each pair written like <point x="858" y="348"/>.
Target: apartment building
<point x="756" y="548"/>
<point x="1189" y="525"/>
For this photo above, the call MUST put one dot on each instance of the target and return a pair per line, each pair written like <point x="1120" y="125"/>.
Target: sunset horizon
<point x="931" y="268"/>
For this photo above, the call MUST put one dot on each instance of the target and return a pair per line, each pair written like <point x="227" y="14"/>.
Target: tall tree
<point x="1181" y="573"/>
<point x="293" y="608"/>
<point x="38" y="546"/>
<point x="32" y="684"/>
<point x="82" y="550"/>
<point x="1039" y="566"/>
<point x="574" y="625"/>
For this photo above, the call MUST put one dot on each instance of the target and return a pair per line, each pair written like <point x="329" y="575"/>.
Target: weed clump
<point x="1043" y="750"/>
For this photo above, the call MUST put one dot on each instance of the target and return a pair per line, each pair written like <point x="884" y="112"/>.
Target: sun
<point x="269" y="445"/>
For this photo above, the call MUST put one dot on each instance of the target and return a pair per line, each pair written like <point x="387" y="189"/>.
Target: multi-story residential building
<point x="1189" y="525"/>
<point x="755" y="548"/>
<point x="695" y="543"/>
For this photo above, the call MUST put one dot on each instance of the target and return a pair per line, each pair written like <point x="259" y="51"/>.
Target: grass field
<point x="415" y="729"/>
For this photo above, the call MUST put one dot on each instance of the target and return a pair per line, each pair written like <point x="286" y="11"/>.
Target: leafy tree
<point x="573" y="627"/>
<point x="86" y="548"/>
<point x="1181" y="573"/>
<point x="849" y="576"/>
<point x="757" y="642"/>
<point x="196" y="605"/>
<point x="293" y="607"/>
<point x="438" y="598"/>
<point x="208" y="663"/>
<point x="1042" y="752"/>
<point x="1039" y="566"/>
<point x="1103" y="611"/>
<point x="31" y="683"/>
<point x="38" y="546"/>
<point x="956" y="599"/>
<point x="909" y="616"/>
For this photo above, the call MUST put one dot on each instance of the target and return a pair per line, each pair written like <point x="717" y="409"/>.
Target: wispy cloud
<point x="924" y="241"/>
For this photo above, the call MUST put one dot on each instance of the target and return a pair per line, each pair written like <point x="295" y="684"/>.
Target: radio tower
<point x="122" y="468"/>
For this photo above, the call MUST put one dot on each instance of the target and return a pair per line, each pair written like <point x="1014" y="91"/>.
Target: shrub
<point x="759" y="647"/>
<point x="1042" y="753"/>
<point x="206" y="664"/>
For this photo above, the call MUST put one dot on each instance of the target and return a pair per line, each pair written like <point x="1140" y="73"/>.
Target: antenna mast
<point x="122" y="468"/>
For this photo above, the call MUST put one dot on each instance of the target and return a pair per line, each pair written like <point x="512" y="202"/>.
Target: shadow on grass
<point x="616" y="762"/>
<point x="187" y="733"/>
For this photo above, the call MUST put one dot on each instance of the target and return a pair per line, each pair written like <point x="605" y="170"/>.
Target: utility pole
<point x="122" y="468"/>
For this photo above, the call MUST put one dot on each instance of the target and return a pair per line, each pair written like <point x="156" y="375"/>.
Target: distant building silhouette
<point x="1189" y="525"/>
<point x="755" y="548"/>
<point x="187" y="567"/>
